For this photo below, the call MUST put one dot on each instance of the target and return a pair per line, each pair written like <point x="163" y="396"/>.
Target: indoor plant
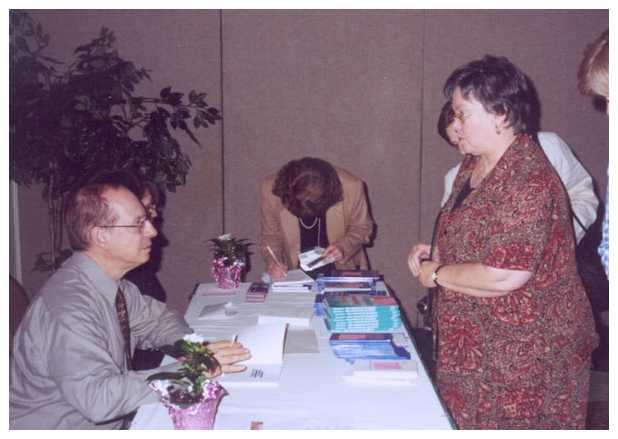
<point x="70" y="121"/>
<point x="189" y="394"/>
<point x="230" y="258"/>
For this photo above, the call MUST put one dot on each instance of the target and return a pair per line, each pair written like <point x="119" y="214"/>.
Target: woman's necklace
<point x="317" y="220"/>
<point x="306" y="227"/>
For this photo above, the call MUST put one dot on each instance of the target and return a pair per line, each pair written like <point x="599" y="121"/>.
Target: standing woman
<point x="594" y="80"/>
<point x="515" y="328"/>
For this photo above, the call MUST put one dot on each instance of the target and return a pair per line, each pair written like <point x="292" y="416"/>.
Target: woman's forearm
<point x="480" y="280"/>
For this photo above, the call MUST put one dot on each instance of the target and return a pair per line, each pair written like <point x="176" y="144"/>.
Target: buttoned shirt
<point x="68" y="369"/>
<point x="576" y="180"/>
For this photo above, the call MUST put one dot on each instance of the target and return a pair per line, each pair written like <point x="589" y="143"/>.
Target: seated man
<point x="310" y="203"/>
<point x="71" y="366"/>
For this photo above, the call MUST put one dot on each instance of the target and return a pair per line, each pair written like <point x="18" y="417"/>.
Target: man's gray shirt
<point x="68" y="369"/>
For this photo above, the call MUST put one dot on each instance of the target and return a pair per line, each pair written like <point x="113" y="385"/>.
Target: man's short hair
<point x="86" y="208"/>
<point x="447" y="116"/>
<point x="593" y="75"/>
<point x="134" y="181"/>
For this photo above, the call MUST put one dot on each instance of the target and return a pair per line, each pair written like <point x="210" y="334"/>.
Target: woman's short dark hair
<point x="308" y="187"/>
<point x="500" y="87"/>
<point x="85" y="209"/>
<point x="447" y="115"/>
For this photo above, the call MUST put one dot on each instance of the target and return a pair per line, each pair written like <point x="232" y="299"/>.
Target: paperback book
<point x="266" y="344"/>
<point x="382" y="372"/>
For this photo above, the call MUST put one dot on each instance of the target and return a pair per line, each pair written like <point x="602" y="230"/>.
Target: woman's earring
<point x="498" y="131"/>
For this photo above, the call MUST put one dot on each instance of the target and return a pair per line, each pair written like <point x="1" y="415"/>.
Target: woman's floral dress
<point x="520" y="360"/>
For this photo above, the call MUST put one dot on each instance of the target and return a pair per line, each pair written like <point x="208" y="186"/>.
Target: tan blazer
<point x="347" y="223"/>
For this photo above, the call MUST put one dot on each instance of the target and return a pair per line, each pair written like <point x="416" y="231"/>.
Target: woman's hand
<point x="333" y="252"/>
<point x="228" y="353"/>
<point x="419" y="253"/>
<point x="427" y="267"/>
<point x="275" y="269"/>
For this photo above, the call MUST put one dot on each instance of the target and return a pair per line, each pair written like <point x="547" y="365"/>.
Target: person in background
<point x="593" y="79"/>
<point x="515" y="328"/>
<point x="310" y="203"/>
<point x="71" y="365"/>
<point x="576" y="180"/>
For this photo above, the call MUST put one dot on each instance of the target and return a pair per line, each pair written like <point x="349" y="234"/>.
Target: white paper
<point x="218" y="311"/>
<point x="293" y="278"/>
<point x="294" y="309"/>
<point x="310" y="260"/>
<point x="265" y="342"/>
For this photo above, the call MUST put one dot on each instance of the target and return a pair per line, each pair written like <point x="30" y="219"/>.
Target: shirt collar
<point x="99" y="278"/>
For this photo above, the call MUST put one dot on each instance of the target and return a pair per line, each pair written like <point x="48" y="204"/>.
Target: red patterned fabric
<point x="520" y="360"/>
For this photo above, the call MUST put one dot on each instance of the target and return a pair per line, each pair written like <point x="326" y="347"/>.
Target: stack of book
<point x="358" y="312"/>
<point x="356" y="273"/>
<point x="257" y="292"/>
<point x="295" y="281"/>
<point x="367" y="346"/>
<point x="319" y="298"/>
<point x="344" y="283"/>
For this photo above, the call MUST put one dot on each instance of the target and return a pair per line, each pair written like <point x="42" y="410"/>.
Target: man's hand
<point x="228" y="353"/>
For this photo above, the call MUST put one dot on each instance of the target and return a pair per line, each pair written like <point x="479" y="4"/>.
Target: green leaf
<point x="166" y="376"/>
<point x="165" y="92"/>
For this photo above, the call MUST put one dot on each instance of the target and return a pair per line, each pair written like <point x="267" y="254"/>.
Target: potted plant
<point x="230" y="258"/>
<point x="190" y="396"/>
<point x="68" y="121"/>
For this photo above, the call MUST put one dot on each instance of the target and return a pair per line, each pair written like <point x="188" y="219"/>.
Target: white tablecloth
<point x="311" y="393"/>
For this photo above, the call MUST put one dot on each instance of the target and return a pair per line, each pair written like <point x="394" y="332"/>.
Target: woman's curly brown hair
<point x="308" y="187"/>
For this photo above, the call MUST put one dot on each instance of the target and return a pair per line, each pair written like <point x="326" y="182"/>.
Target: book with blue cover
<point x="369" y="274"/>
<point x="361" y="313"/>
<point x="358" y="345"/>
<point x="358" y="301"/>
<point x="367" y="327"/>
<point x="360" y="337"/>
<point x="319" y="298"/>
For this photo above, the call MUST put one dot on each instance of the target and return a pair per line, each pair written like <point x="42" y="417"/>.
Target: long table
<point x="311" y="393"/>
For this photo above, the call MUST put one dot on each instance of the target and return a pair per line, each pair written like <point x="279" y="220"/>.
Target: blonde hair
<point x="593" y="73"/>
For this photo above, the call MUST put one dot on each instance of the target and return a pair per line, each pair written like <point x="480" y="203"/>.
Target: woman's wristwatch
<point x="434" y="275"/>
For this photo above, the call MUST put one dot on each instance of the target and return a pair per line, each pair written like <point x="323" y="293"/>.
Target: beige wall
<point x="361" y="89"/>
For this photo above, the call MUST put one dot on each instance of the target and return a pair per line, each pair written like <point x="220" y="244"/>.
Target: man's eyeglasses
<point x="140" y="226"/>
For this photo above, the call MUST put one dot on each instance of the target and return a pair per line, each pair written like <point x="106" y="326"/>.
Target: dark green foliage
<point x="70" y="121"/>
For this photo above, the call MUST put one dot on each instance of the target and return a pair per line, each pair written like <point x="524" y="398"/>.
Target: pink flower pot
<point x="227" y="276"/>
<point x="198" y="416"/>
